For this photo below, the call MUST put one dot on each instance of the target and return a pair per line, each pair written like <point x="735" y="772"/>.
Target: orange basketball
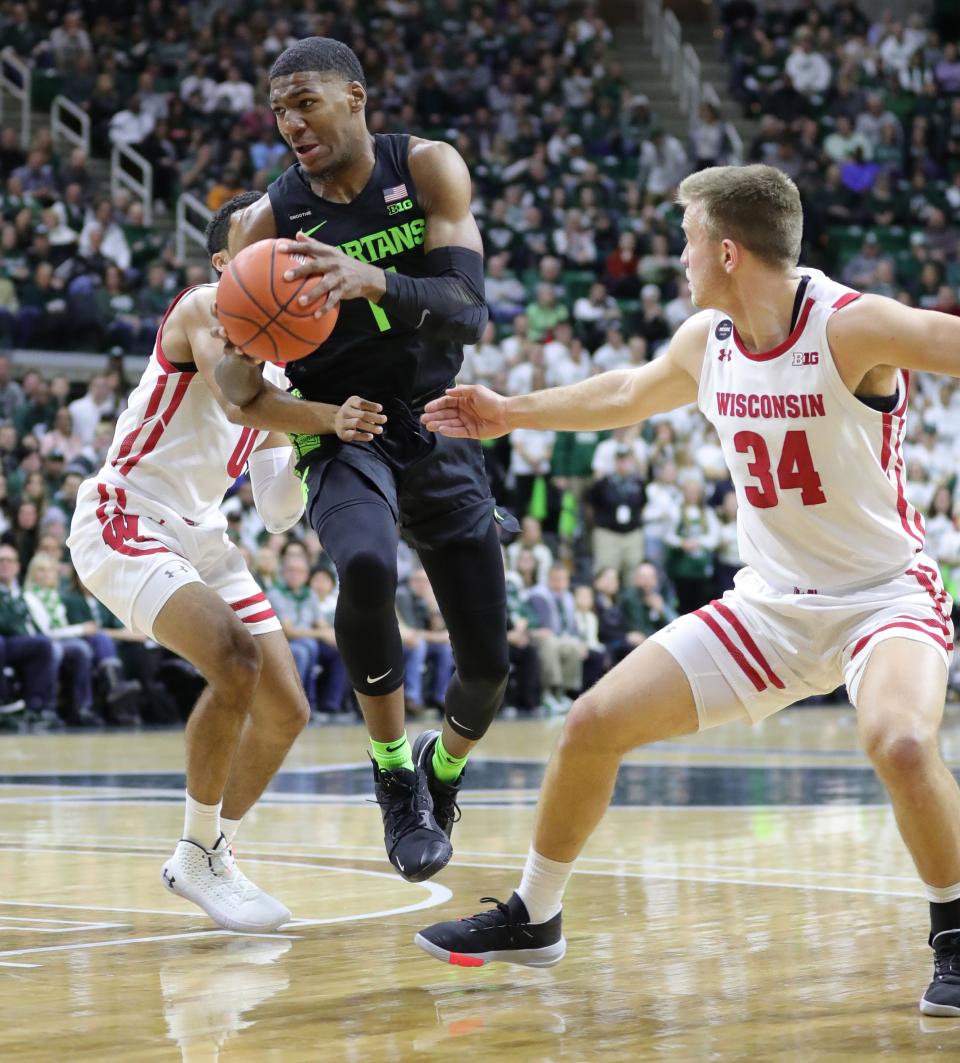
<point x="259" y="310"/>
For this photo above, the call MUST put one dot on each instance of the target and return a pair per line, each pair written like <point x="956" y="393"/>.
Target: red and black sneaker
<point x="503" y="933"/>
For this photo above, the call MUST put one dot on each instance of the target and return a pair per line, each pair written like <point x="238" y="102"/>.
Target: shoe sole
<point x="548" y="956"/>
<point x="225" y="921"/>
<point x="943" y="1010"/>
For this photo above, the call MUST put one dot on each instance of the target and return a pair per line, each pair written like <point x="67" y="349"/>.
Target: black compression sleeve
<point x="448" y="304"/>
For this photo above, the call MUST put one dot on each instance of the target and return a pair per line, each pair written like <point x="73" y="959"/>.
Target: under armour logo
<point x="170" y="879"/>
<point x="726" y="354"/>
<point x="171" y="572"/>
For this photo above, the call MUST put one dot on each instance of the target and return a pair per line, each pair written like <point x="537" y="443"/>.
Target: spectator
<point x="808" y="70"/>
<point x="132" y="125"/>
<point x="69" y="42"/>
<point x="690" y="558"/>
<point x="562" y="651"/>
<point x="332" y="682"/>
<point x="427" y="645"/>
<point x="645" y="608"/>
<point x="588" y="629"/>
<point x="301" y="617"/>
<point x="23" y="647"/>
<point x="81" y="647"/>
<point x="617" y="503"/>
<point x="97" y="404"/>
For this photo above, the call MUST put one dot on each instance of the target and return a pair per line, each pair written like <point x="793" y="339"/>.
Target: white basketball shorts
<point x="757" y="650"/>
<point x="132" y="553"/>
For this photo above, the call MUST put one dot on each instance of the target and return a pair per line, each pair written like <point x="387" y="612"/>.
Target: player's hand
<point x="339" y="275"/>
<point x="359" y="420"/>
<point x="468" y="411"/>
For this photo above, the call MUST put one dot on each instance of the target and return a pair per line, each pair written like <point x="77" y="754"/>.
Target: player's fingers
<point x="366" y="404"/>
<point x="319" y="289"/>
<point x="455" y="431"/>
<point x="435" y="405"/>
<point x="333" y="297"/>
<point x="369" y="426"/>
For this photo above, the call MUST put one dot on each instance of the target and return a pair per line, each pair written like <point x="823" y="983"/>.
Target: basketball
<point x="259" y="310"/>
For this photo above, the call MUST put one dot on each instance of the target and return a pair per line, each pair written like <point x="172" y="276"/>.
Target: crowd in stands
<point x="574" y="182"/>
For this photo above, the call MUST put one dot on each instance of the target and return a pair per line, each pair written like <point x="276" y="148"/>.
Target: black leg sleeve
<point x="467" y="578"/>
<point x="361" y="539"/>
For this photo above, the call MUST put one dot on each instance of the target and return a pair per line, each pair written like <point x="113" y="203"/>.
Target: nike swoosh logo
<point x="393" y="749"/>
<point x="453" y="719"/>
<point x="310" y="232"/>
<point x="376" y="679"/>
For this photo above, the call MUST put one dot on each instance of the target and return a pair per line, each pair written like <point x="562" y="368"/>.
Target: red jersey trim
<point x="765" y="356"/>
<point x="846" y="300"/>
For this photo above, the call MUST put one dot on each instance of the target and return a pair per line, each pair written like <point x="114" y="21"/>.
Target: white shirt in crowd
<point x="605" y="456"/>
<point x="610" y="357"/>
<point x="530" y="451"/>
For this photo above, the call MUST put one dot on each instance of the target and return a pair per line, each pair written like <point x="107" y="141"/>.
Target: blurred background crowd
<point x="574" y="176"/>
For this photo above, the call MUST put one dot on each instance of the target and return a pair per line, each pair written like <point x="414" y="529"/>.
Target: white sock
<point x="942" y="894"/>
<point x="229" y="828"/>
<point x="541" y="888"/>
<point x="201" y="824"/>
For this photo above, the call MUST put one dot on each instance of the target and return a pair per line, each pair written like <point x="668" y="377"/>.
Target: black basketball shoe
<point x="446" y="811"/>
<point x="503" y="933"/>
<point x="943" y="994"/>
<point x="415" y="845"/>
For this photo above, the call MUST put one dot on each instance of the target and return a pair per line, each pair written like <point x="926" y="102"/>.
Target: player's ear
<point x="731" y="255"/>
<point x="219" y="260"/>
<point x="358" y="96"/>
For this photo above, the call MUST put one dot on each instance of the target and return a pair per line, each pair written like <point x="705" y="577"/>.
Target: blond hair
<point x="756" y="206"/>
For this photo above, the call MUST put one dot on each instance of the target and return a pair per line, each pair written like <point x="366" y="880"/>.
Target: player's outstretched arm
<point x="875" y="331"/>
<point x="449" y="301"/>
<point x="609" y="400"/>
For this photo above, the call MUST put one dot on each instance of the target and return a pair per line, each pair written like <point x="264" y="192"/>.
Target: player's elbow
<point x="278" y="523"/>
<point x="466" y="325"/>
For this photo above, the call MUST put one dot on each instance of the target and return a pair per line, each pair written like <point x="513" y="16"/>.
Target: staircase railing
<point x="192" y="218"/>
<point x="130" y="170"/>
<point x="15" y="82"/>
<point x="70" y="123"/>
<point x="681" y="65"/>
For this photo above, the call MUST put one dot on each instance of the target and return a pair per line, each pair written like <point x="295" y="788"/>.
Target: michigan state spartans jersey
<point x="368" y="353"/>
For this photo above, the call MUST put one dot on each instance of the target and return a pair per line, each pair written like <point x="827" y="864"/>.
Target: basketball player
<point x="148" y="539"/>
<point x="402" y="255"/>
<point x="806" y="383"/>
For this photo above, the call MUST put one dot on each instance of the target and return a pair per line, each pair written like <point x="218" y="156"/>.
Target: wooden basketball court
<point x="748" y="897"/>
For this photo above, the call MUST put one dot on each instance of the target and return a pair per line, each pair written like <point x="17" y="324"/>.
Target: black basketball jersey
<point x="368" y="353"/>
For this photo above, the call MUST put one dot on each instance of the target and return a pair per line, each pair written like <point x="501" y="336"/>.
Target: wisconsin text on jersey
<point x="769" y="407"/>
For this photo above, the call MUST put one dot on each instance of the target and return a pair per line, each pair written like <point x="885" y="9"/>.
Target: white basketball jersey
<point x="819" y="475"/>
<point x="173" y="442"/>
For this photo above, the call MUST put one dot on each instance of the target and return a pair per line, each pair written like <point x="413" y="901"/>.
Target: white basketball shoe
<point x="211" y="879"/>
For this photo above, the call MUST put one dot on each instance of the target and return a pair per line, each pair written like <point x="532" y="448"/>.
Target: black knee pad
<point x="369" y="579"/>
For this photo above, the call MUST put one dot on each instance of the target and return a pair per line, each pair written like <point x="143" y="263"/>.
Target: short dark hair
<point x="323" y="54"/>
<point x="218" y="227"/>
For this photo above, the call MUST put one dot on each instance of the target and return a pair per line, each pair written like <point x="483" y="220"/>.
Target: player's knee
<point x="369" y="579"/>
<point x="901" y="748"/>
<point x="583" y="728"/>
<point x="235" y="665"/>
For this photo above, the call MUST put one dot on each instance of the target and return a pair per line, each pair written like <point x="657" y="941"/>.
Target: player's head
<point x="221" y="226"/>
<point x="735" y="218"/>
<point x="318" y="93"/>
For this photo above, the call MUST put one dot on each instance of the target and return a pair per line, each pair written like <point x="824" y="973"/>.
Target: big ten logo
<point x="806" y="358"/>
<point x="398" y="208"/>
